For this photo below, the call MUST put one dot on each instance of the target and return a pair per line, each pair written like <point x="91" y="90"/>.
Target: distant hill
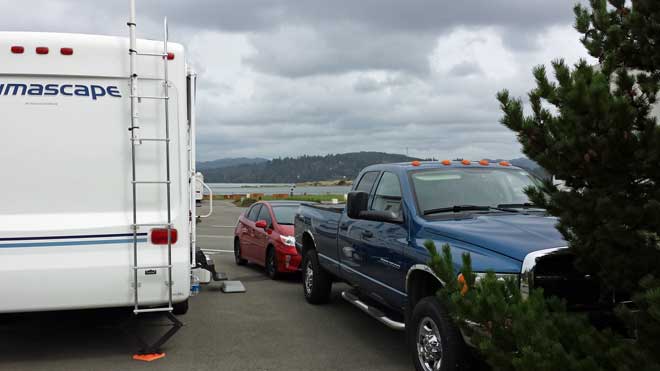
<point x="227" y="162"/>
<point x="299" y="169"/>
<point x="312" y="168"/>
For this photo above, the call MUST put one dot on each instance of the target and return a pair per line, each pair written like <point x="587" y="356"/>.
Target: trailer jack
<point x="207" y="263"/>
<point x="151" y="351"/>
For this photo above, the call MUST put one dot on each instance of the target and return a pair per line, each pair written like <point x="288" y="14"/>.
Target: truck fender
<point x="308" y="237"/>
<point x="429" y="283"/>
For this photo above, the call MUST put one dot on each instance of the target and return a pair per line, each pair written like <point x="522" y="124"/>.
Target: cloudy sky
<point x="291" y="77"/>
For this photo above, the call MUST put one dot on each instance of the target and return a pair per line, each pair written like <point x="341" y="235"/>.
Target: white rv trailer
<point x="66" y="196"/>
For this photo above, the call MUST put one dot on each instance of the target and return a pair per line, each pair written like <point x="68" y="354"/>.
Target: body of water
<point x="269" y="189"/>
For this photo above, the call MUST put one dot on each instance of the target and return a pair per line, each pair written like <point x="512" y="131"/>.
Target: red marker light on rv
<point x="159" y="236"/>
<point x="17" y="49"/>
<point x="66" y="51"/>
<point x="42" y="50"/>
<point x="170" y="56"/>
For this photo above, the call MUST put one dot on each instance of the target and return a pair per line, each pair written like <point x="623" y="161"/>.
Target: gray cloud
<point x="291" y="77"/>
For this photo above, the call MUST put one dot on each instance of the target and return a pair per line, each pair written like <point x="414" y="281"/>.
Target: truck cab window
<point x="388" y="194"/>
<point x="367" y="181"/>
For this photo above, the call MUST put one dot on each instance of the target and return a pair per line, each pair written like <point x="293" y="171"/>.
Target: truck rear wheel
<point x="317" y="283"/>
<point x="434" y="340"/>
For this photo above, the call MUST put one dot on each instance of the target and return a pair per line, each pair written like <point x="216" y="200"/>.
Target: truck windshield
<point x="487" y="188"/>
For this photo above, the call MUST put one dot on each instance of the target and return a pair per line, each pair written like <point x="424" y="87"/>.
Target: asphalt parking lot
<point x="270" y="327"/>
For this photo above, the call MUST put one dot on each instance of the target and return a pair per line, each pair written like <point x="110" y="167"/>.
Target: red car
<point x="264" y="235"/>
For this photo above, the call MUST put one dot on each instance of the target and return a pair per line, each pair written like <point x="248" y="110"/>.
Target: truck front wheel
<point x="435" y="341"/>
<point x="317" y="283"/>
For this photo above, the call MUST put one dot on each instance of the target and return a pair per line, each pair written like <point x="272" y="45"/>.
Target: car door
<point x="351" y="250"/>
<point x="383" y="243"/>
<point x="248" y="232"/>
<point x="262" y="236"/>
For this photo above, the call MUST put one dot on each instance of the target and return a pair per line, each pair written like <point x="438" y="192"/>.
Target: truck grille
<point x="556" y="275"/>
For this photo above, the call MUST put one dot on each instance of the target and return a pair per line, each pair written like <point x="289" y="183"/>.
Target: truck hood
<point x="513" y="235"/>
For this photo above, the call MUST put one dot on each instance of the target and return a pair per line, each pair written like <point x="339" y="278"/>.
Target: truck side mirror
<point x="356" y="203"/>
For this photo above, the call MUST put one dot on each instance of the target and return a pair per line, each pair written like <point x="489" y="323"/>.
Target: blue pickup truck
<point x="375" y="244"/>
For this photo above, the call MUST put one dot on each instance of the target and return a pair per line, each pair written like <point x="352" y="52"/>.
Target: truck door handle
<point x="367" y="234"/>
<point x="343" y="226"/>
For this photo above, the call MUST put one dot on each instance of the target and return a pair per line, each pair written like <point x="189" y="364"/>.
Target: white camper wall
<point x="65" y="199"/>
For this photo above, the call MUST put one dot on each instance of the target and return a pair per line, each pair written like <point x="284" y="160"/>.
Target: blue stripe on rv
<point x="70" y="237"/>
<point x="69" y="243"/>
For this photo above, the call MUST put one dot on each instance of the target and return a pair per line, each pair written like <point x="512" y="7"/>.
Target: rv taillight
<point x="170" y="56"/>
<point x="66" y="51"/>
<point x="17" y="49"/>
<point x="42" y="50"/>
<point x="159" y="236"/>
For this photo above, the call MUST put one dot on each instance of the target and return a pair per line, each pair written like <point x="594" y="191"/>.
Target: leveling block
<point x="148" y="357"/>
<point x="232" y="286"/>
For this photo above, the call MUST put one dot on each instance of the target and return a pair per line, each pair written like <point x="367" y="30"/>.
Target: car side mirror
<point x="356" y="203"/>
<point x="261" y="224"/>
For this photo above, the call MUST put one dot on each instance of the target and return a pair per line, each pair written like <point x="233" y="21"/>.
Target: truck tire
<point x="434" y="340"/>
<point x="238" y="258"/>
<point x="317" y="283"/>
<point x="181" y="308"/>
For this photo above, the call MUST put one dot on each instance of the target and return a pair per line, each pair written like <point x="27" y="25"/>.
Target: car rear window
<point x="285" y="214"/>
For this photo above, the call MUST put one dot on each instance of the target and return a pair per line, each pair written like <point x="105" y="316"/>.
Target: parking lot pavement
<point x="270" y="327"/>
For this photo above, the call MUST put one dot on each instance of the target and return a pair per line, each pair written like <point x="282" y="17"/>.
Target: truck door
<point x="351" y="250"/>
<point x="383" y="243"/>
<point x="372" y="252"/>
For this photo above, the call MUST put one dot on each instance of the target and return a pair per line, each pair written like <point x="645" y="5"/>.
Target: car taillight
<point x="159" y="236"/>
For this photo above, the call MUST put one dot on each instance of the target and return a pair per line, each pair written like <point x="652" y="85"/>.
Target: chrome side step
<point x="373" y="311"/>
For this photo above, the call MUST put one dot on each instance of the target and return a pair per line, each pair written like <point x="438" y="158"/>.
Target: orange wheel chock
<point x="148" y="357"/>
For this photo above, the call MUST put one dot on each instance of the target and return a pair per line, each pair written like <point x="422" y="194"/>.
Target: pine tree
<point x="592" y="126"/>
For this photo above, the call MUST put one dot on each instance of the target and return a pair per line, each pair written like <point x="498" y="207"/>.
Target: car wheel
<point x="237" y="253"/>
<point x="180" y="308"/>
<point x="435" y="341"/>
<point x="271" y="264"/>
<point x="317" y="283"/>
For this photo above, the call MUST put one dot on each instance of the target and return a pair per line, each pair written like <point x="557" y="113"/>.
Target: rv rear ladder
<point x="136" y="98"/>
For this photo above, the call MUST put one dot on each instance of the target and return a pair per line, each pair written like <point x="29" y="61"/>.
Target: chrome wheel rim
<point x="309" y="277"/>
<point x="429" y="345"/>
